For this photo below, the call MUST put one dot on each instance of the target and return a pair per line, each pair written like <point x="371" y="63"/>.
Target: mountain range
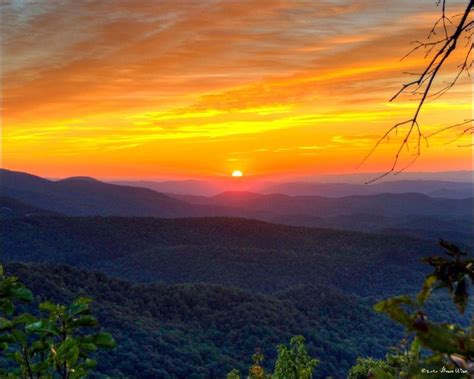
<point x="187" y="295"/>
<point x="432" y="188"/>
<point x="414" y="214"/>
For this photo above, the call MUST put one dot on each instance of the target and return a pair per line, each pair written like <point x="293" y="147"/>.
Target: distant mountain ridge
<point x="81" y="196"/>
<point x="385" y="204"/>
<point x="180" y="187"/>
<point x="432" y="188"/>
<point x="412" y="214"/>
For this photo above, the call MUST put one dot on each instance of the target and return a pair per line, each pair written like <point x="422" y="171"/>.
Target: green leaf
<point x="22" y="293"/>
<point x="84" y="321"/>
<point x="48" y="307"/>
<point x="89" y="363"/>
<point x="415" y="347"/>
<point x="88" y="346"/>
<point x="42" y="326"/>
<point x="425" y="292"/>
<point x="104" y="340"/>
<point x="24" y="318"/>
<point x="80" y="305"/>
<point x="72" y="355"/>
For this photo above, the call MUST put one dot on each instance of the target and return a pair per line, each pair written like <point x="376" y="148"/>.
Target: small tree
<point x="293" y="362"/>
<point x="234" y="374"/>
<point x="257" y="371"/>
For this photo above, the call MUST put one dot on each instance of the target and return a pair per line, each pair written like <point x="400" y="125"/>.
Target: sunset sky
<point x="149" y="89"/>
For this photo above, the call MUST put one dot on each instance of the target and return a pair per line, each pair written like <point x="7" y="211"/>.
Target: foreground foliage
<point x="293" y="362"/>
<point x="439" y="349"/>
<point x="51" y="345"/>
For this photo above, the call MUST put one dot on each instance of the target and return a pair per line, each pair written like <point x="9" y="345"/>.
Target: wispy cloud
<point x="130" y="74"/>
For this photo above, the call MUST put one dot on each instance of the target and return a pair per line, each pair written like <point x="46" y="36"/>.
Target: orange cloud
<point x="129" y="83"/>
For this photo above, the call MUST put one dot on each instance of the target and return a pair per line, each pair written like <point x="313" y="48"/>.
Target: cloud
<point x="121" y="74"/>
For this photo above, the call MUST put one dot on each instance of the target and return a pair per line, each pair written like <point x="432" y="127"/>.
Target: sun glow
<point x="237" y="173"/>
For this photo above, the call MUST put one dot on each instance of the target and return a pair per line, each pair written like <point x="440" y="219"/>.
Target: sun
<point x="237" y="173"/>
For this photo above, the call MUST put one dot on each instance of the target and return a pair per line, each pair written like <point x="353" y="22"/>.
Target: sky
<point x="148" y="89"/>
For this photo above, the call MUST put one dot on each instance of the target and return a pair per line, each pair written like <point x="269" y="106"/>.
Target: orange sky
<point x="201" y="88"/>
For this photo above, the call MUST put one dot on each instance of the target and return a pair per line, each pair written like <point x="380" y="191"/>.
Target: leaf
<point x="79" y="305"/>
<point x="84" y="321"/>
<point x="48" y="307"/>
<point x="104" y="340"/>
<point x="393" y="308"/>
<point x="427" y="288"/>
<point x="82" y="301"/>
<point x="442" y="338"/>
<point x="89" y="363"/>
<point x="88" y="346"/>
<point x="22" y="293"/>
<point x="72" y="355"/>
<point x="42" y="326"/>
<point x="415" y="347"/>
<point x="24" y="318"/>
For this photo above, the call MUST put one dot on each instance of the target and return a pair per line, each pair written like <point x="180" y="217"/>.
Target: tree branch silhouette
<point x="438" y="50"/>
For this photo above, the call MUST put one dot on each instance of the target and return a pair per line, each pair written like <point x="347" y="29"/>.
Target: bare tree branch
<point x="439" y="51"/>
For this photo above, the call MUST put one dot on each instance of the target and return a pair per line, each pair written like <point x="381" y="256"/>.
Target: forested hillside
<point x="203" y="331"/>
<point x="233" y="252"/>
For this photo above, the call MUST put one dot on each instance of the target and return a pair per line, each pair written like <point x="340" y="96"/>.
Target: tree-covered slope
<point x="233" y="252"/>
<point x="202" y="331"/>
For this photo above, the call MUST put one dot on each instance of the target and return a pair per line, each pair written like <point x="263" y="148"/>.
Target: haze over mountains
<point x="459" y="186"/>
<point x="394" y="207"/>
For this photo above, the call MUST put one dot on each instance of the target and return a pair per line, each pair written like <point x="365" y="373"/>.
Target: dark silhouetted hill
<point x="14" y="208"/>
<point x="85" y="196"/>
